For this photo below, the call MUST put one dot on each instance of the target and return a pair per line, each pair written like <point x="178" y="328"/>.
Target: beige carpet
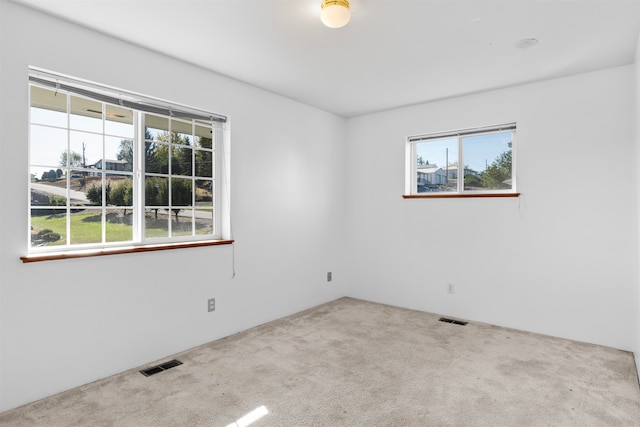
<point x="356" y="363"/>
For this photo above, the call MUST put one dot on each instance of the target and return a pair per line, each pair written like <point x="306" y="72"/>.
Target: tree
<point x="156" y="192"/>
<point x="75" y="160"/>
<point x="156" y="155"/>
<point x="125" y="151"/>
<point x="181" y="194"/>
<point x="498" y="172"/>
<point x="95" y="193"/>
<point x="121" y="193"/>
<point x="51" y="175"/>
<point x="204" y="159"/>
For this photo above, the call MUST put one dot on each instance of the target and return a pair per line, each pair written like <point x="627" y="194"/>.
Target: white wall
<point x="559" y="260"/>
<point x="66" y="323"/>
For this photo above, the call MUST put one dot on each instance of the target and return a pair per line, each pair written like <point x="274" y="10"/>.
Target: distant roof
<point x="429" y="170"/>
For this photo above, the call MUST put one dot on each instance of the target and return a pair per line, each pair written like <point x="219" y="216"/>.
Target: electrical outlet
<point x="329" y="276"/>
<point x="211" y="304"/>
<point x="451" y="288"/>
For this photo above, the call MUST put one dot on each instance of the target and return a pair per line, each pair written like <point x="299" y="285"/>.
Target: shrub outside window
<point x="471" y="161"/>
<point x="107" y="174"/>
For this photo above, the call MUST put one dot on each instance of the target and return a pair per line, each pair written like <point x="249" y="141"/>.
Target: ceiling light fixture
<point x="335" y="13"/>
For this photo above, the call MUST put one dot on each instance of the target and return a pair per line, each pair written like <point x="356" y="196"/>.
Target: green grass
<point x="85" y="228"/>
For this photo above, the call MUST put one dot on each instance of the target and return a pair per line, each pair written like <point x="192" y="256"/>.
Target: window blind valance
<point x="463" y="132"/>
<point x="122" y="98"/>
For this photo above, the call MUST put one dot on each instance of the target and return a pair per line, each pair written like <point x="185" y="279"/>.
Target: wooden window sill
<point x="458" y="196"/>
<point x="115" y="251"/>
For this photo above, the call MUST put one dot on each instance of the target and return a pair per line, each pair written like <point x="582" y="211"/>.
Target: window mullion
<point x="139" y="177"/>
<point x="193" y="180"/>
<point x="170" y="179"/>
<point x="68" y="204"/>
<point x="103" y="208"/>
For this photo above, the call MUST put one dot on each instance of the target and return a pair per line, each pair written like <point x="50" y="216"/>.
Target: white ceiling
<point x="392" y="53"/>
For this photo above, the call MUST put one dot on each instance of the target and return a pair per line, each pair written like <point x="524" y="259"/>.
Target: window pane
<point x="181" y="192"/>
<point x="48" y="181"/>
<point x="48" y="227"/>
<point x="80" y="182"/>
<point x="92" y="186"/>
<point x="204" y="192"/>
<point x="156" y="191"/>
<point x="85" y="149"/>
<point x="86" y="226"/>
<point x="181" y="160"/>
<point x="119" y="225"/>
<point x="49" y="192"/>
<point x="156" y="128"/>
<point x="487" y="160"/>
<point x="120" y="191"/>
<point x="118" y="153"/>
<point x="49" y="188"/>
<point x="204" y="163"/>
<point x="156" y="157"/>
<point x="156" y="223"/>
<point x="204" y="136"/>
<point x="48" y="107"/>
<point x="182" y="223"/>
<point x="48" y="146"/>
<point x="119" y="121"/>
<point x="204" y="221"/>
<point x="436" y="165"/>
<point x="181" y="132"/>
<point x="86" y="114"/>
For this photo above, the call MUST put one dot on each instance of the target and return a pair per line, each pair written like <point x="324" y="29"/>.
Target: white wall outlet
<point x="329" y="276"/>
<point x="451" y="289"/>
<point x="211" y="304"/>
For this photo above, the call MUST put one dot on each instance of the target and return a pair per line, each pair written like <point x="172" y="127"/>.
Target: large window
<point x="108" y="170"/>
<point x="467" y="162"/>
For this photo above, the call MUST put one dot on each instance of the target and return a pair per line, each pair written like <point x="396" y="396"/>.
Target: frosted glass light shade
<point x="335" y="13"/>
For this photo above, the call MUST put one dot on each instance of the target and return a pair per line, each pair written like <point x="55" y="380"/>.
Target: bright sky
<point x="479" y="151"/>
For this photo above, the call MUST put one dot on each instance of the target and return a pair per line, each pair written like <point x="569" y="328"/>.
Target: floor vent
<point x="455" y="322"/>
<point x="159" y="368"/>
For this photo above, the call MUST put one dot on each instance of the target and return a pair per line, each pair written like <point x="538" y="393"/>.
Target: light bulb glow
<point x="335" y="13"/>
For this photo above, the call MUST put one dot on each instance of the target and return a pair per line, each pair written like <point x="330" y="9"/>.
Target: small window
<point x="472" y="161"/>
<point x="108" y="170"/>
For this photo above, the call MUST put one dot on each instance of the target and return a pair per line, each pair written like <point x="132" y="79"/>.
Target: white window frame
<point x="142" y="105"/>
<point x="411" y="176"/>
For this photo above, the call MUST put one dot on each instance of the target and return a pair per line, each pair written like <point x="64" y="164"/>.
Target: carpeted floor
<point x="355" y="363"/>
